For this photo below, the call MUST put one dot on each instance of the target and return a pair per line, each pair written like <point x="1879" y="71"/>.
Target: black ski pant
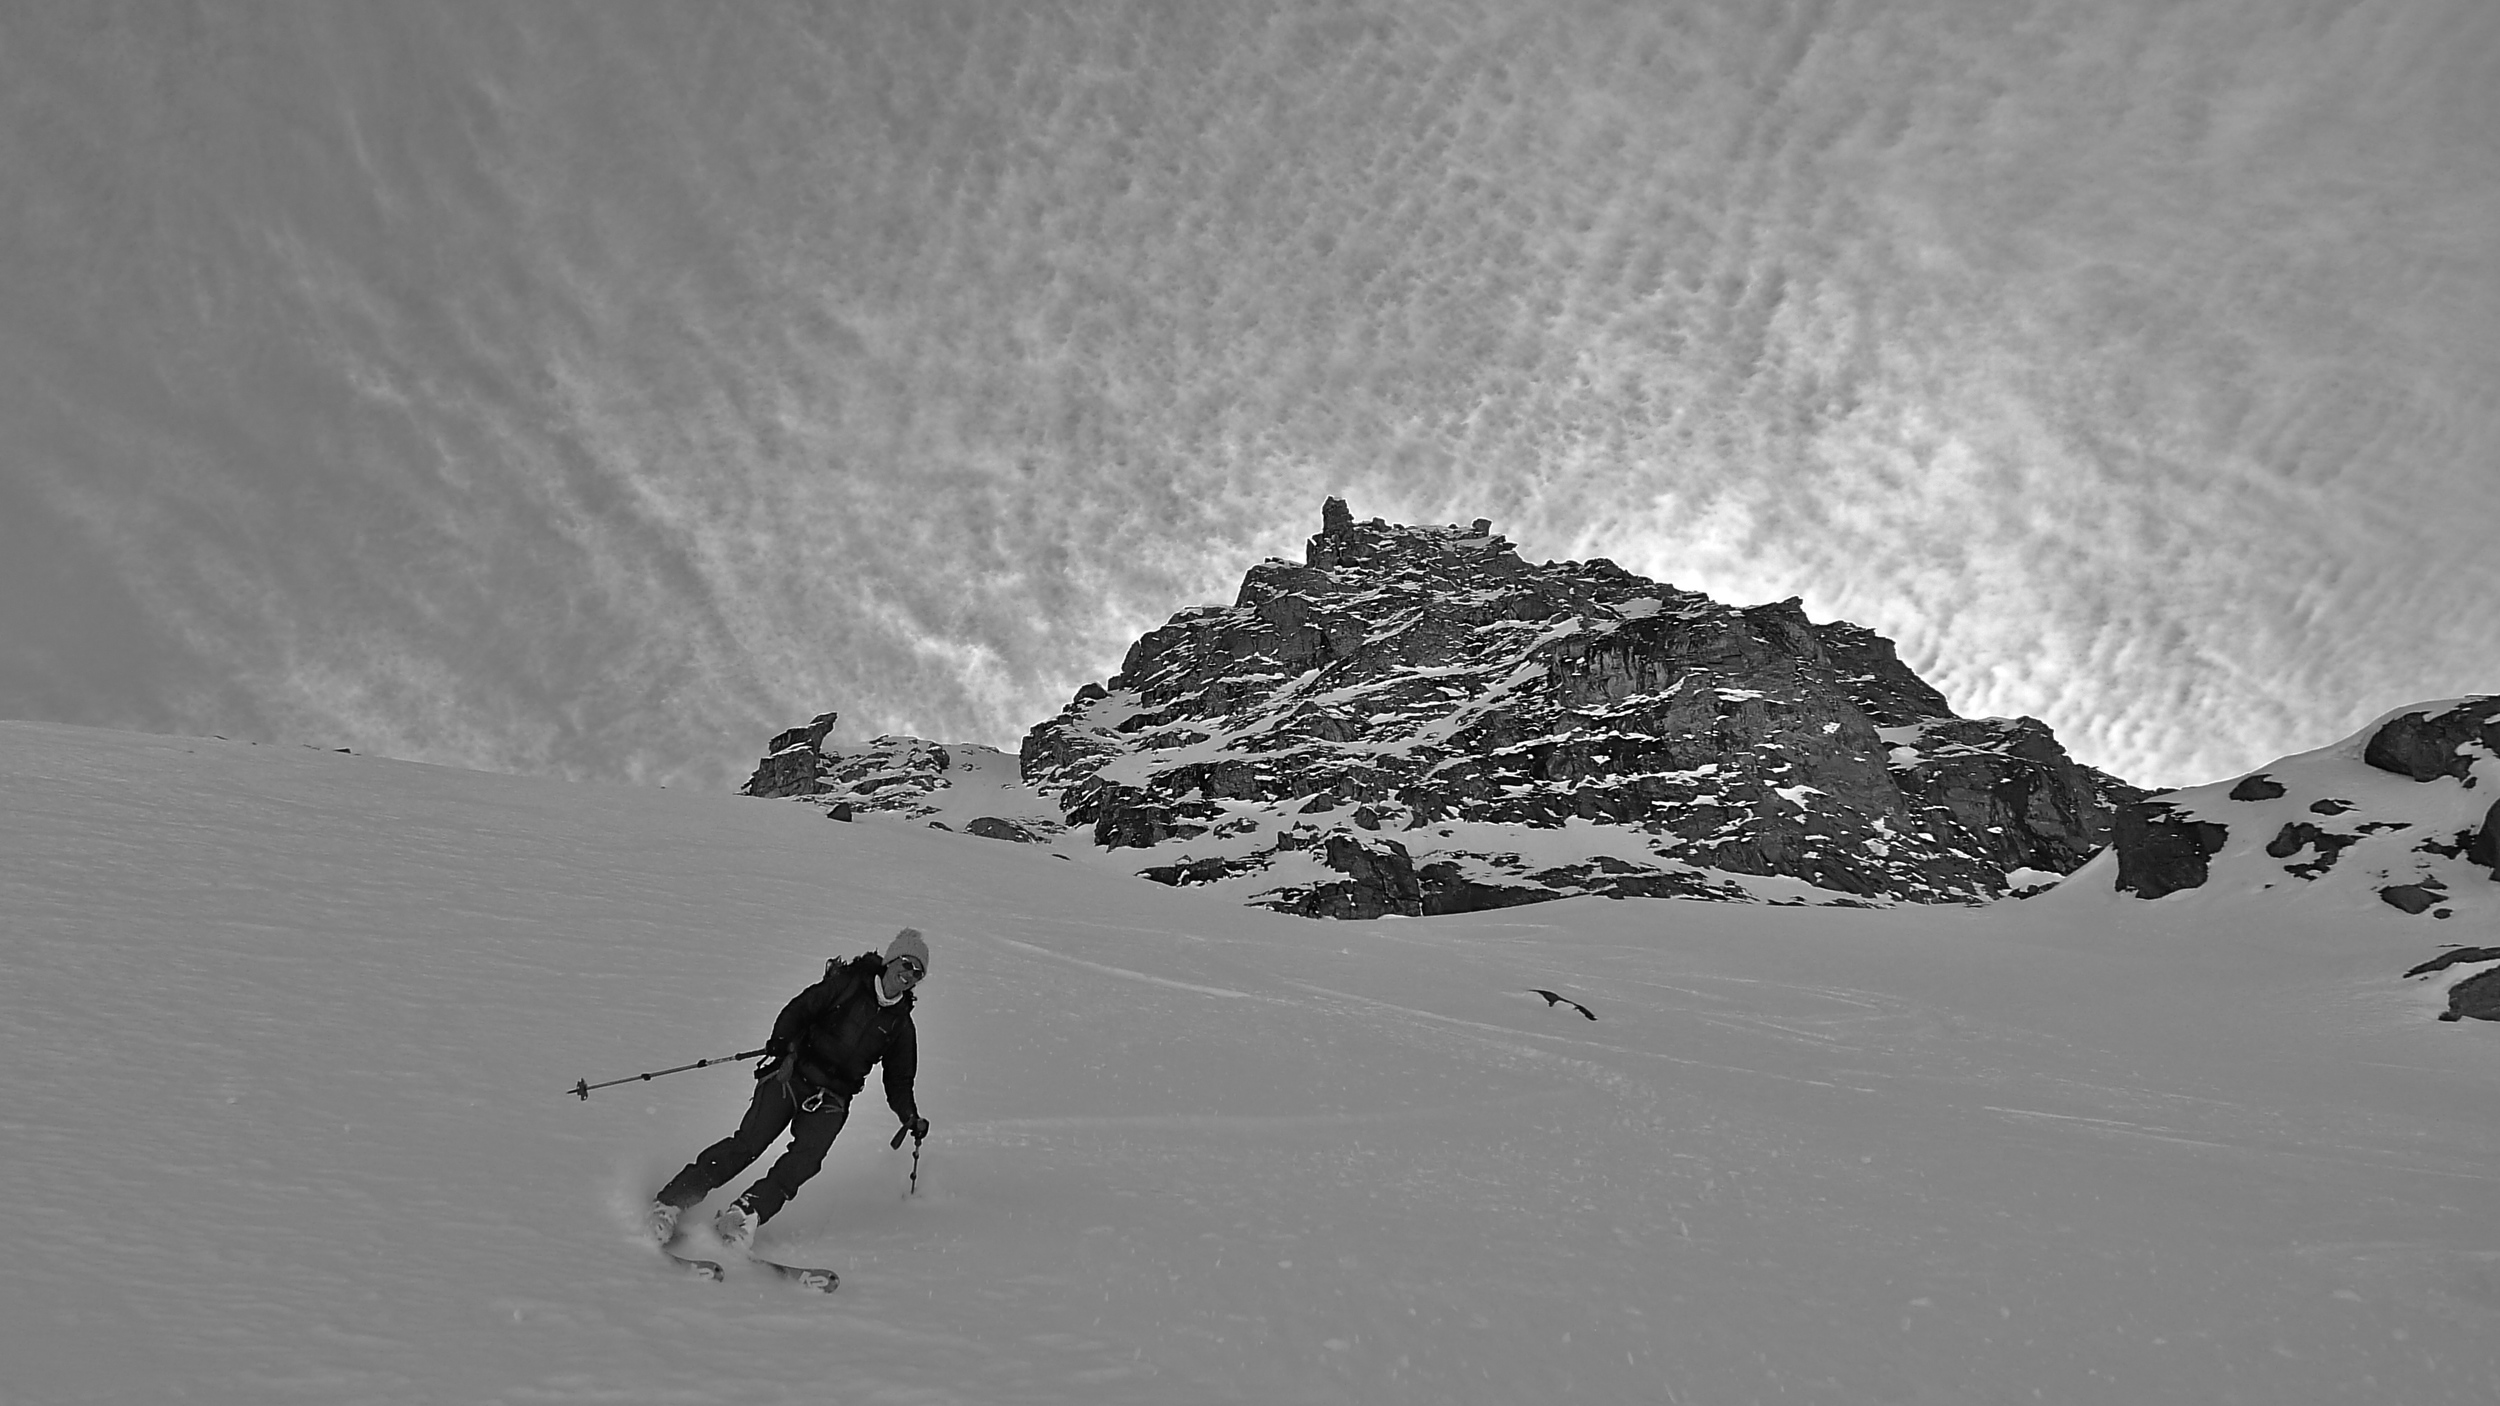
<point x="774" y="1109"/>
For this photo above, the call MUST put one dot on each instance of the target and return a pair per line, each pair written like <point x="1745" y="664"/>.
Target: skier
<point x="815" y="1064"/>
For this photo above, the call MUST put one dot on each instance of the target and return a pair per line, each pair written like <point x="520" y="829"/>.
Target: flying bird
<point x="1553" y="999"/>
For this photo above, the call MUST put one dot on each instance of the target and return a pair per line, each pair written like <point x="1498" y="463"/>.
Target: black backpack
<point x="867" y="963"/>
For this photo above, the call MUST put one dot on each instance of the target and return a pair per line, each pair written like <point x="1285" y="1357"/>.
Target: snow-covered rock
<point x="1414" y="720"/>
<point x="954" y="786"/>
<point x="2404" y="813"/>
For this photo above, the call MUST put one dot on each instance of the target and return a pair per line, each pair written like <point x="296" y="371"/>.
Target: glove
<point x="919" y="1129"/>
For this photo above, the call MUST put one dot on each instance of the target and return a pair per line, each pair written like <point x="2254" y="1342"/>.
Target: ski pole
<point x="582" y="1087"/>
<point x="899" y="1134"/>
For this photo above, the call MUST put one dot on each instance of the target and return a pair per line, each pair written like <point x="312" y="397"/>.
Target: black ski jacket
<point x="834" y="1030"/>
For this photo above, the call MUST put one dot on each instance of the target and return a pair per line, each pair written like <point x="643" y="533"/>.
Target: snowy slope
<point x="286" y="1036"/>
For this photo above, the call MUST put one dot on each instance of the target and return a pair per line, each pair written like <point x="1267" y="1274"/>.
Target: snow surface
<point x="287" y="1037"/>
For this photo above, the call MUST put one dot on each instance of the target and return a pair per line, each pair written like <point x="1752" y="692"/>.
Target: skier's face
<point x="901" y="975"/>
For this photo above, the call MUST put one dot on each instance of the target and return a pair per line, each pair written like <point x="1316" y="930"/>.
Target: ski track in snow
<point x="1124" y="973"/>
<point x="288" y="1036"/>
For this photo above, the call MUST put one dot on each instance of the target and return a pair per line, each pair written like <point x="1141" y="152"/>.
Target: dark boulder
<point x="2426" y="746"/>
<point x="811" y="736"/>
<point x="2300" y="835"/>
<point x="2259" y="787"/>
<point x="2414" y="898"/>
<point x="2483" y="847"/>
<point x="2161" y="850"/>
<point x="2475" y="998"/>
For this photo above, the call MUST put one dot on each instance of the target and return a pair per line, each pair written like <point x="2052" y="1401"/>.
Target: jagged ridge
<point x="1538" y="731"/>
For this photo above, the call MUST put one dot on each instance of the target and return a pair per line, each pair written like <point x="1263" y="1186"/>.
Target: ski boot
<point x="736" y="1226"/>
<point x="661" y="1222"/>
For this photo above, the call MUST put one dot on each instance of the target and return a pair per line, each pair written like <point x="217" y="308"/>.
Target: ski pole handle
<point x="900" y="1134"/>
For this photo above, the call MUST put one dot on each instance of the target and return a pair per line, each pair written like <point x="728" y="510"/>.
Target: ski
<point x="823" y="1281"/>
<point x="699" y="1268"/>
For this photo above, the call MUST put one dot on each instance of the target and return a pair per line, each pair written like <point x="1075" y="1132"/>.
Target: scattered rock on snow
<point x="2257" y="786"/>
<point x="2415" y="898"/>
<point x="2391" y="809"/>
<point x="2299" y="835"/>
<point x="2455" y="957"/>
<point x="2476" y="995"/>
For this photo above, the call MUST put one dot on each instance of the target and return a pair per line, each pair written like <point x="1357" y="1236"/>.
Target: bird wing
<point x="1557" y="999"/>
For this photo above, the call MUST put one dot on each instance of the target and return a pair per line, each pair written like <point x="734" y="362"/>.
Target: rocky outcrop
<point x="888" y="773"/>
<point x="1536" y="731"/>
<point x="2476" y="996"/>
<point x="2162" y="850"/>
<point x="793" y="765"/>
<point x="2427" y="745"/>
<point x="965" y="787"/>
<point x="2482" y="846"/>
<point x="2395" y="810"/>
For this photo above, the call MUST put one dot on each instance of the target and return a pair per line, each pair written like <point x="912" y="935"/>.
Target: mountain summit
<point x="1414" y="720"/>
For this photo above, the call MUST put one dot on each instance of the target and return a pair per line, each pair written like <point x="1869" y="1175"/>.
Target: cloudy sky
<point x="594" y="389"/>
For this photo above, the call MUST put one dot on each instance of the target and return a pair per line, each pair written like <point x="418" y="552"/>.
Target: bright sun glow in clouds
<point x="597" y="389"/>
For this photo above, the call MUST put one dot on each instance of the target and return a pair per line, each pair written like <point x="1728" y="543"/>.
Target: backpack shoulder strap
<point x="851" y="975"/>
